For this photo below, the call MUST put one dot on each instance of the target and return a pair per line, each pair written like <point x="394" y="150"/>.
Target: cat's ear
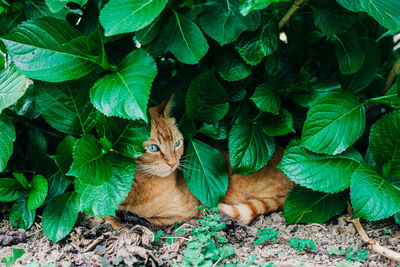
<point x="165" y="107"/>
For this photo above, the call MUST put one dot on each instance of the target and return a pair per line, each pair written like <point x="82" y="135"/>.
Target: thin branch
<point x="290" y="12"/>
<point x="372" y="244"/>
<point x="392" y="76"/>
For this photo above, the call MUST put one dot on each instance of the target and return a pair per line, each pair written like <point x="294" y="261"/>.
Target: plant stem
<point x="290" y="12"/>
<point x="44" y="131"/>
<point x="392" y="76"/>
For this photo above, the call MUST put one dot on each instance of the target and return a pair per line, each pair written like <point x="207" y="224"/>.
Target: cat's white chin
<point x="165" y="174"/>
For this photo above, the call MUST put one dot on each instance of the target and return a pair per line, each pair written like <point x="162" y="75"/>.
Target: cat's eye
<point x="153" y="148"/>
<point x="177" y="143"/>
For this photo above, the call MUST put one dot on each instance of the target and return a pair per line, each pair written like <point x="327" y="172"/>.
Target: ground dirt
<point x="92" y="243"/>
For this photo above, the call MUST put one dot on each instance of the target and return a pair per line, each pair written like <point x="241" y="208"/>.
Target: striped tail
<point x="249" y="210"/>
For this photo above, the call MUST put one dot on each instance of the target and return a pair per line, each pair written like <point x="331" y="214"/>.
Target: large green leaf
<point x="349" y="54"/>
<point x="39" y="50"/>
<point x="37" y="195"/>
<point x="384" y="142"/>
<point x="38" y="8"/>
<point x="324" y="173"/>
<point x="123" y="16"/>
<point x="372" y="197"/>
<point x="184" y="39"/>
<point x="223" y="22"/>
<point x="253" y="47"/>
<point x="90" y="165"/>
<point x="266" y="97"/>
<point x="12" y="86"/>
<point x="20" y="215"/>
<point x="104" y="199"/>
<point x="308" y="95"/>
<point x="58" y="5"/>
<point x="352" y="5"/>
<point x="386" y="12"/>
<point x="334" y="123"/>
<point x="249" y="148"/>
<point x="306" y="206"/>
<point x="64" y="154"/>
<point x="332" y="19"/>
<point x="206" y="99"/>
<point x="59" y="216"/>
<point x="125" y="93"/>
<point x="10" y="190"/>
<point x="66" y="106"/>
<point x="7" y="137"/>
<point x="356" y="82"/>
<point x="149" y="33"/>
<point x="206" y="172"/>
<point x="36" y="149"/>
<point x="127" y="136"/>
<point x="276" y="125"/>
<point x="230" y="66"/>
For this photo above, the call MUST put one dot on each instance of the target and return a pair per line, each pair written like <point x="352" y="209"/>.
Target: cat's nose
<point x="171" y="163"/>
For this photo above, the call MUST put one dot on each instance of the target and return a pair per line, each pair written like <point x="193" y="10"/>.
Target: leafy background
<point x="318" y="77"/>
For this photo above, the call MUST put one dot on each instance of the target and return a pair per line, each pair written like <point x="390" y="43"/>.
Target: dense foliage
<point x="316" y="76"/>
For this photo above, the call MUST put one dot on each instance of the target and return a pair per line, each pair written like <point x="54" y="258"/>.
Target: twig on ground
<point x="392" y="76"/>
<point x="289" y="13"/>
<point x="372" y="244"/>
<point x="319" y="225"/>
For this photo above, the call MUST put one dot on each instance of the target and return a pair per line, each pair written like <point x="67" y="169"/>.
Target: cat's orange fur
<point x="159" y="193"/>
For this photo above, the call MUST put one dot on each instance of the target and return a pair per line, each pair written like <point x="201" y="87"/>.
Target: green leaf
<point x="231" y="67"/>
<point x="38" y="50"/>
<point x="58" y="5"/>
<point x="307" y="96"/>
<point x="334" y="123"/>
<point x="332" y="19"/>
<point x="127" y="136"/>
<point x="318" y="172"/>
<point x="37" y="147"/>
<point x="184" y="39"/>
<point x="253" y="47"/>
<point x="12" y="86"/>
<point x="37" y="195"/>
<point x="125" y="93"/>
<point x="372" y="197"/>
<point x="356" y="82"/>
<point x="205" y="172"/>
<point x="276" y="125"/>
<point x="123" y="16"/>
<point x="26" y="106"/>
<point x="149" y="33"/>
<point x="266" y="97"/>
<point x="59" y="216"/>
<point x="7" y="137"/>
<point x="104" y="199"/>
<point x="90" y="165"/>
<point x="249" y="148"/>
<point x="384" y="142"/>
<point x="223" y="22"/>
<point x="21" y="179"/>
<point x="58" y="183"/>
<point x="306" y="206"/>
<point x="66" y="106"/>
<point x="10" y="190"/>
<point x="34" y="9"/>
<point x="64" y="154"/>
<point x="386" y="12"/>
<point x="352" y="5"/>
<point x="349" y="53"/>
<point x="20" y="215"/>
<point x="206" y="99"/>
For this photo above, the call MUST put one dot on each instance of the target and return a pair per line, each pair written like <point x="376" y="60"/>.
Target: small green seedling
<point x="16" y="254"/>
<point x="266" y="235"/>
<point x="206" y="246"/>
<point x="157" y="235"/>
<point x="333" y="251"/>
<point x="302" y="244"/>
<point x="354" y="255"/>
<point x="386" y="231"/>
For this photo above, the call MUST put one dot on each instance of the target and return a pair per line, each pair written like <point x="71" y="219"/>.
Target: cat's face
<point x="165" y="145"/>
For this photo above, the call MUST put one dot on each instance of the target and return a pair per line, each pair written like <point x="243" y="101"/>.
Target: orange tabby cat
<point x="159" y="193"/>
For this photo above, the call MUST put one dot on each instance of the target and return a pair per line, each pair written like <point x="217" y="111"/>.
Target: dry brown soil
<point x="94" y="244"/>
